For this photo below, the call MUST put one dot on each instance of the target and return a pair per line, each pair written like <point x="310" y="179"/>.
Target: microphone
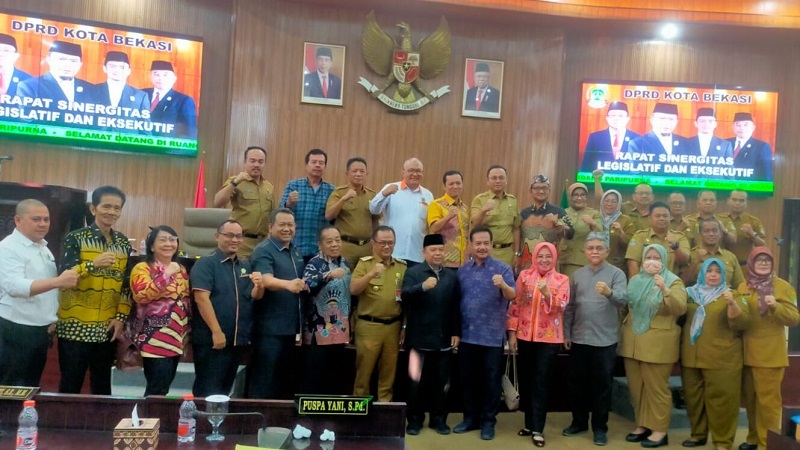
<point x="6" y="158"/>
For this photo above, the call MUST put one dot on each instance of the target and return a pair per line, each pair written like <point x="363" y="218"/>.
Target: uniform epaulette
<point x="401" y="261"/>
<point x="366" y="258"/>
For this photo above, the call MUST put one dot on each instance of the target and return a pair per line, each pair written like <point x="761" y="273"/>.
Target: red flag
<point x="200" y="188"/>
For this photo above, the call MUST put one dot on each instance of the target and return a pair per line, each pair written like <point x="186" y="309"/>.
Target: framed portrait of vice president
<point x="483" y="86"/>
<point x="323" y="72"/>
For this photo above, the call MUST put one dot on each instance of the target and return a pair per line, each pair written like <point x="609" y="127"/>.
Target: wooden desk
<point x="777" y="441"/>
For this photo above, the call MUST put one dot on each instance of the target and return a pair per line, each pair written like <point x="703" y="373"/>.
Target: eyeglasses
<point x="171" y="239"/>
<point x="763" y="261"/>
<point x="540" y="188"/>
<point x="232" y="236"/>
<point x="384" y="244"/>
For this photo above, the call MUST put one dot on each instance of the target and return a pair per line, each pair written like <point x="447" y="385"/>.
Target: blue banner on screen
<point x="678" y="135"/>
<point x="98" y="86"/>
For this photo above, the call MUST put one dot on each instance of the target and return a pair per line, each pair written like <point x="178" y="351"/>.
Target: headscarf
<point x="762" y="284"/>
<point x="536" y="273"/>
<point x="644" y="296"/>
<point x="703" y="295"/>
<point x="613" y="217"/>
<point x="572" y="188"/>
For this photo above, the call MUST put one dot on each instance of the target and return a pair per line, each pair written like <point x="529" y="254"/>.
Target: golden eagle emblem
<point x="404" y="64"/>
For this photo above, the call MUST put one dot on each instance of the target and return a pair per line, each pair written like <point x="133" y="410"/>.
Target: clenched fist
<point x="430" y="283"/>
<point x="391" y="189"/>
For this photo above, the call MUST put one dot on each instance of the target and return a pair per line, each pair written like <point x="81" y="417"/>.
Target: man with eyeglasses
<point x="90" y="316"/>
<point x="706" y="209"/>
<point x="606" y="145"/>
<point x="749" y="228"/>
<point x="710" y="231"/>
<point x="677" y="207"/>
<point x="377" y="281"/>
<point x="29" y="287"/>
<point x="252" y="198"/>
<point x="542" y="221"/>
<point x="638" y="208"/>
<point x="224" y="288"/>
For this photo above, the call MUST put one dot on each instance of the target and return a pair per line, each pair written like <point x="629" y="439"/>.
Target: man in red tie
<point x="168" y="105"/>
<point x="749" y="152"/>
<point x="321" y="83"/>
<point x="603" y="146"/>
<point x="482" y="97"/>
<point x="10" y="76"/>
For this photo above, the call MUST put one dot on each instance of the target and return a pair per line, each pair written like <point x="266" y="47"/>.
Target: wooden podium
<point x="67" y="207"/>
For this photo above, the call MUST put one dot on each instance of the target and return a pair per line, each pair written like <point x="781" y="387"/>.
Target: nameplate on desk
<point x="333" y="405"/>
<point x="17" y="392"/>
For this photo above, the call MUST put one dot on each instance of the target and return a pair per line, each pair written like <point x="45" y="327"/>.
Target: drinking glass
<point x="216" y="404"/>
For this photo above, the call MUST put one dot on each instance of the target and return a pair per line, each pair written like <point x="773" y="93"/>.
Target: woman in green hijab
<point x="650" y="344"/>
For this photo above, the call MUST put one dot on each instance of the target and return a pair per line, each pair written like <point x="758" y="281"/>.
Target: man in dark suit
<point x="482" y="96"/>
<point x="60" y="84"/>
<point x="168" y="105"/>
<point x="10" y="76"/>
<point x="322" y="83"/>
<point x="660" y="140"/>
<point x="605" y="145"/>
<point x="749" y="152"/>
<point x="705" y="143"/>
<point x="116" y="91"/>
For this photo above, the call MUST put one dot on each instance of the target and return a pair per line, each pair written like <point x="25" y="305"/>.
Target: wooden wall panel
<point x="265" y="106"/>
<point x="158" y="187"/>
<point x="756" y="65"/>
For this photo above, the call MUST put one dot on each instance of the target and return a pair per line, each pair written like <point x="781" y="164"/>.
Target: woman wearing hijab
<point x="772" y="305"/>
<point x="650" y="344"/>
<point x="584" y="220"/>
<point x="711" y="357"/>
<point x="535" y="327"/>
<point x="617" y="226"/>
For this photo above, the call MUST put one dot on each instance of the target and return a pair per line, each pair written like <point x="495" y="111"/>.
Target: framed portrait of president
<point x="483" y="87"/>
<point x="323" y="72"/>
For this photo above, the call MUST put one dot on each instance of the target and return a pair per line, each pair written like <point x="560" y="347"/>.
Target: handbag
<point x="510" y="393"/>
<point x="128" y="355"/>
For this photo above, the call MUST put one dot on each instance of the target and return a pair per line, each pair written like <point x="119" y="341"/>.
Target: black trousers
<point x="481" y="369"/>
<point x="75" y="358"/>
<point x="271" y="366"/>
<point x="159" y="373"/>
<point x="323" y="371"/>
<point x="215" y="370"/>
<point x="535" y="361"/>
<point x="23" y="353"/>
<point x="591" y="371"/>
<point x="430" y="392"/>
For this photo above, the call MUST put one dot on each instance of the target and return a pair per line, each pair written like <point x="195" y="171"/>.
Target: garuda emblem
<point x="405" y="65"/>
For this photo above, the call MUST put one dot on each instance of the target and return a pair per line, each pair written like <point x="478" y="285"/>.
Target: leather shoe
<point x="465" y="426"/>
<point x="440" y="427"/>
<point x="748" y="446"/>
<point x="573" y="430"/>
<point x="691" y="443"/>
<point x="633" y="437"/>
<point x="647" y="443"/>
<point x="413" y="428"/>
<point x="487" y="431"/>
<point x="600" y="438"/>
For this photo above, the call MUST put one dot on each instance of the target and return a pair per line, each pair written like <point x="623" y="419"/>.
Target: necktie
<point x="479" y="100"/>
<point x="616" y="146"/>
<point x="325" y="86"/>
<point x="154" y="103"/>
<point x="737" y="149"/>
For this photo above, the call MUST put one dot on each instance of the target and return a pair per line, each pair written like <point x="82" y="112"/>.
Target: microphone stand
<point x="4" y="158"/>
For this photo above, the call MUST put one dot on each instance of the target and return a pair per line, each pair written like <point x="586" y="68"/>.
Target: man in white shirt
<point x="28" y="296"/>
<point x="705" y="143"/>
<point x="660" y="140"/>
<point x="404" y="205"/>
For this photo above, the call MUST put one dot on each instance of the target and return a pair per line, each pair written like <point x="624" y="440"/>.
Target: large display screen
<point x="678" y="135"/>
<point x="96" y="85"/>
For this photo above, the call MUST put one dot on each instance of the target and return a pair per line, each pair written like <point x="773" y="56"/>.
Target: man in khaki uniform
<point x="749" y="229"/>
<point x="710" y="236"/>
<point x="677" y="207"/>
<point x="639" y="208"/>
<point x="706" y="207"/>
<point x="659" y="233"/>
<point x="499" y="211"/>
<point x="252" y="199"/>
<point x="377" y="281"/>
<point x="765" y="355"/>
<point x="348" y="208"/>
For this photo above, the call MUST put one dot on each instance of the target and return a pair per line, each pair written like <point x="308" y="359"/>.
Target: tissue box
<point x="145" y="437"/>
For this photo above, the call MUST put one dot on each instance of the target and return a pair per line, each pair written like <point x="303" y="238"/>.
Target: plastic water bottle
<point x="28" y="432"/>
<point x="187" y="422"/>
<point x="143" y="247"/>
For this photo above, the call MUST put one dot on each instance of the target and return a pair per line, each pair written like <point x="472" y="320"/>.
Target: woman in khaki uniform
<point x="618" y="227"/>
<point x="773" y="307"/>
<point x="584" y="220"/>
<point x="650" y="344"/>
<point x="711" y="357"/>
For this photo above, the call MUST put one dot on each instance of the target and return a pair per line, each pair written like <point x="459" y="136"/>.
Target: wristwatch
<point x="675" y="245"/>
<point x="234" y="183"/>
